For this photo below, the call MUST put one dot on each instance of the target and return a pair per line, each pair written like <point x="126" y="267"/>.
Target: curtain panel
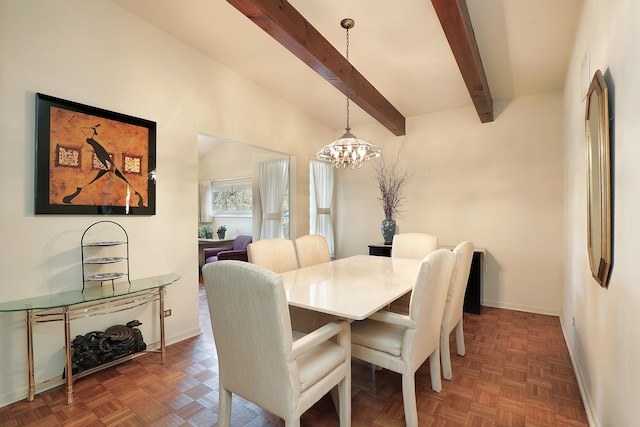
<point x="321" y="176"/>
<point x="206" y="203"/>
<point x="273" y="175"/>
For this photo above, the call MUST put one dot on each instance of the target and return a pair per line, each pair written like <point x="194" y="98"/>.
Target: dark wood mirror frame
<point x="598" y="179"/>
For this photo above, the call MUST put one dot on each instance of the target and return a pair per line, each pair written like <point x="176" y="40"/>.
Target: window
<point x="231" y="198"/>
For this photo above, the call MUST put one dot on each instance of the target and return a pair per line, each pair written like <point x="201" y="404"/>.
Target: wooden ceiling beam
<point x="285" y="24"/>
<point x="456" y="23"/>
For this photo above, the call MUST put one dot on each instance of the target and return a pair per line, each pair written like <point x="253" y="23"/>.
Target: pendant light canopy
<point x="348" y="150"/>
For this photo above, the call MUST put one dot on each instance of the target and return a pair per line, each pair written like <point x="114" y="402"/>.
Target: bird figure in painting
<point x="103" y="156"/>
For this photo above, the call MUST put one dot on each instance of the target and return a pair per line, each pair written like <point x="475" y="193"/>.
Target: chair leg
<point x="460" y="339"/>
<point x="292" y="422"/>
<point x="445" y="356"/>
<point x="344" y="393"/>
<point x="434" y="363"/>
<point x="409" y="400"/>
<point x="224" y="408"/>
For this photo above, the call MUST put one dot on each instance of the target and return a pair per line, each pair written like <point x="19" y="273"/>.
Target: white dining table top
<point x="353" y="287"/>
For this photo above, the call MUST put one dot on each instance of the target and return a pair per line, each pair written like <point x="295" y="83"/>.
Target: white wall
<point x="604" y="343"/>
<point x="98" y="54"/>
<point x="498" y="185"/>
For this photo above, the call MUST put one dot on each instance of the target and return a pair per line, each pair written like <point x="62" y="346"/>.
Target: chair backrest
<point x="413" y="245"/>
<point x="277" y="255"/>
<point x="252" y="333"/>
<point x="241" y="242"/>
<point x="312" y="249"/>
<point x="427" y="303"/>
<point x="458" y="286"/>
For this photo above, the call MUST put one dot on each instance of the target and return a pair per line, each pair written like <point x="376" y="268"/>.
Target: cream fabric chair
<point x="452" y="318"/>
<point x="411" y="245"/>
<point x="312" y="249"/>
<point x="402" y="343"/>
<point x="277" y="255"/>
<point x="257" y="356"/>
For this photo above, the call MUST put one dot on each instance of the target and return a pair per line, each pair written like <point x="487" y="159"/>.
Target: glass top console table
<point x="77" y="304"/>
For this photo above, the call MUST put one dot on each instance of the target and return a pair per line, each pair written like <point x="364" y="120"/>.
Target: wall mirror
<point x="598" y="179"/>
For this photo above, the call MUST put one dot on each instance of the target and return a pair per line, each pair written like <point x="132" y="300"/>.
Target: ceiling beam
<point x="456" y="23"/>
<point x="285" y="24"/>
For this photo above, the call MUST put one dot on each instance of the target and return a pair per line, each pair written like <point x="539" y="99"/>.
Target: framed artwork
<point x="93" y="161"/>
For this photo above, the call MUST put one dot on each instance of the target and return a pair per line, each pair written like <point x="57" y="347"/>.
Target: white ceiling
<point x="398" y="46"/>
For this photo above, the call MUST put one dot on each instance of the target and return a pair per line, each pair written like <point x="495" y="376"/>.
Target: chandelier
<point x="348" y="150"/>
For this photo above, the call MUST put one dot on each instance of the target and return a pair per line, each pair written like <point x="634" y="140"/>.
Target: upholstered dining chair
<point x="258" y="358"/>
<point x="411" y="245"/>
<point x="452" y="318"/>
<point x="312" y="249"/>
<point x="277" y="255"/>
<point x="402" y="343"/>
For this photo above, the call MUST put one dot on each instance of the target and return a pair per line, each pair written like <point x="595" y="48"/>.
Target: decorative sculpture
<point x="97" y="348"/>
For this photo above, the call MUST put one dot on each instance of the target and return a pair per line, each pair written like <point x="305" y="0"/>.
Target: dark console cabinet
<point x="473" y="296"/>
<point x="380" y="250"/>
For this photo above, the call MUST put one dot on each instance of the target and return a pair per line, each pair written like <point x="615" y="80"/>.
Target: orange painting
<point x="92" y="161"/>
<point x="96" y="161"/>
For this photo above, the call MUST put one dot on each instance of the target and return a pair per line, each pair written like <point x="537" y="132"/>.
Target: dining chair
<point x="312" y="249"/>
<point x="402" y="343"/>
<point x="452" y="317"/>
<point x="410" y="245"/>
<point x="413" y="245"/>
<point x="258" y="358"/>
<point x="277" y="255"/>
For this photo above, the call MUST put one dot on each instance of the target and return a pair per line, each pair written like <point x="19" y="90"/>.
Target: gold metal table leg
<point x="31" y="380"/>
<point x="67" y="354"/>
<point x="163" y="350"/>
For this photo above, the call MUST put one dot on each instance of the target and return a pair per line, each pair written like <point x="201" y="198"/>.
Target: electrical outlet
<point x="167" y="313"/>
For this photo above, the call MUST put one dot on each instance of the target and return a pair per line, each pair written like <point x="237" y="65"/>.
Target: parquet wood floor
<point x="516" y="372"/>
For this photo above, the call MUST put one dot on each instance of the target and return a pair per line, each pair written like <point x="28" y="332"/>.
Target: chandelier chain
<point x="348" y="79"/>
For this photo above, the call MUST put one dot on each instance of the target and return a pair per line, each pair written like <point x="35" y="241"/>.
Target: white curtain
<point x="321" y="201"/>
<point x="206" y="202"/>
<point x="272" y="177"/>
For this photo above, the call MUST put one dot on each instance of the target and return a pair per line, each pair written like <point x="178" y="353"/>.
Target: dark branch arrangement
<point x="391" y="181"/>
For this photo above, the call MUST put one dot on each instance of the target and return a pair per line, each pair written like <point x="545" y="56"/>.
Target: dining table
<point x="351" y="288"/>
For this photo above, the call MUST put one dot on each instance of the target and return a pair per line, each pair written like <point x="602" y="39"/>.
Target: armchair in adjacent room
<point x="236" y="252"/>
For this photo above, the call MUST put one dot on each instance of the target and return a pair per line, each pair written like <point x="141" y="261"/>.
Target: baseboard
<point x="586" y="397"/>
<point x="517" y="307"/>
<point x="21" y="393"/>
<point x="183" y="336"/>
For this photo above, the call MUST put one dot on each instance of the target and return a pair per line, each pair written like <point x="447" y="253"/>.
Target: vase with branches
<point x="391" y="181"/>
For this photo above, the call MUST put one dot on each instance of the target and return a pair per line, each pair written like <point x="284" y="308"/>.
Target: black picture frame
<point x="91" y="161"/>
